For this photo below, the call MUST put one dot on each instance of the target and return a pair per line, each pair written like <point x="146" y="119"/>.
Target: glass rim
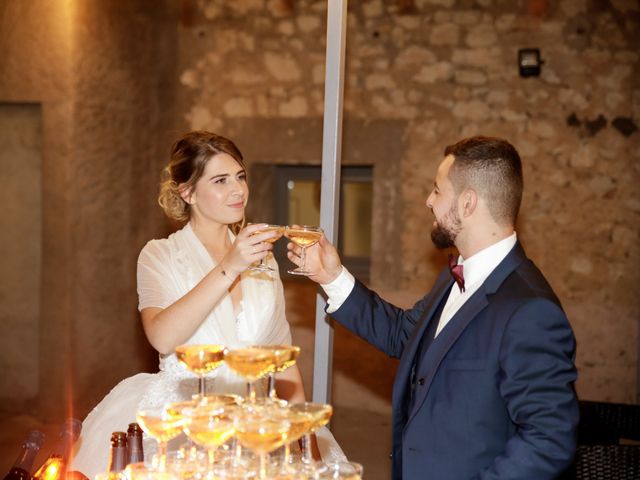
<point x="305" y="227"/>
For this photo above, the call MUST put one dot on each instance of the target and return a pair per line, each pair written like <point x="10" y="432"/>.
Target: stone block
<point x="445" y="34"/>
<point x="295" y="107"/>
<point x="434" y="73"/>
<point x="282" y="66"/>
<point x="481" y="36"/>
<point x="238" y="107"/>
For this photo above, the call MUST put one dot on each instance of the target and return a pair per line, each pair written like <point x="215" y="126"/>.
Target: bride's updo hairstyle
<point x="189" y="156"/>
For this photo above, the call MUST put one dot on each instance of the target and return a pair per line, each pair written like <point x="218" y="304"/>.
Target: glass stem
<point x="162" y="456"/>
<point x="287" y="453"/>
<point x="306" y="449"/>
<point x="252" y="392"/>
<point x="202" y="386"/>
<point x="272" y="386"/>
<point x="212" y="457"/>
<point x="263" y="465"/>
<point x="238" y="453"/>
<point x="302" y="256"/>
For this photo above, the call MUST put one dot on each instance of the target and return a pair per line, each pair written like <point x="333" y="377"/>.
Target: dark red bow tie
<point x="456" y="271"/>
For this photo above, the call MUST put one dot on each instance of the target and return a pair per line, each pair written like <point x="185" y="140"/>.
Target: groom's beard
<point x="443" y="235"/>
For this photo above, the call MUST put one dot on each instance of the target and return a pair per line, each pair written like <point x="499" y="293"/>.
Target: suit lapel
<point x="429" y="364"/>
<point x="440" y="289"/>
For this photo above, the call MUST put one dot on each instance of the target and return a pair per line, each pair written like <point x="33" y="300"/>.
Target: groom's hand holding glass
<point x="321" y="260"/>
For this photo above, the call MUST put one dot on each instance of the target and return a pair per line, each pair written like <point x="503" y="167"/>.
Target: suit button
<point x="421" y="381"/>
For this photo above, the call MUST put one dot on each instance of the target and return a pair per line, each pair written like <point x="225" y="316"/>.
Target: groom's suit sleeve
<point x="377" y="321"/>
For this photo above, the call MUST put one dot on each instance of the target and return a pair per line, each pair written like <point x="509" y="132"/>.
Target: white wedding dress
<point x="167" y="270"/>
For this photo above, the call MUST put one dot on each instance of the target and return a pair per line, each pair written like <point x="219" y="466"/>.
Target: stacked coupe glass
<point x="234" y="437"/>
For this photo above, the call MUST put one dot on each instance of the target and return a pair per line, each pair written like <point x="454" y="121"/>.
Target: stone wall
<point x="442" y="70"/>
<point x="102" y="75"/>
<point x="115" y="82"/>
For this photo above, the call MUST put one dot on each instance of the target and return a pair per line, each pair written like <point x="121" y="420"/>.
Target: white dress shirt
<point x="476" y="270"/>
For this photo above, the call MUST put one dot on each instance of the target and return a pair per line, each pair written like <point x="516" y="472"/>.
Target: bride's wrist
<point x="228" y="271"/>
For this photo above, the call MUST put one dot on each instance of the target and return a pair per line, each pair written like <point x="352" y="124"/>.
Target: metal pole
<point x="330" y="186"/>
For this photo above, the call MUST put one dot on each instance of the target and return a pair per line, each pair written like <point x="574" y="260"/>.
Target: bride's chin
<point x="237" y="218"/>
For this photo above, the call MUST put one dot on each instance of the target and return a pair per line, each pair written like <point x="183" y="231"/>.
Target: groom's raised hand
<point x="321" y="259"/>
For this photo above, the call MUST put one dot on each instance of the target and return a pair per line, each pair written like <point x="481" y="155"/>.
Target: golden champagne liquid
<point x="176" y="410"/>
<point x="162" y="429"/>
<point x="200" y="359"/>
<point x="321" y="418"/>
<point x="303" y="238"/>
<point x="210" y="432"/>
<point x="349" y="476"/>
<point x="251" y="363"/>
<point x="320" y="413"/>
<point x="286" y="355"/>
<point x="299" y="425"/>
<point x="262" y="436"/>
<point x="218" y="399"/>
<point x="272" y="228"/>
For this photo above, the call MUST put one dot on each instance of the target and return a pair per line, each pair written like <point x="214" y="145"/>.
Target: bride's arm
<point x="289" y="385"/>
<point x="172" y="326"/>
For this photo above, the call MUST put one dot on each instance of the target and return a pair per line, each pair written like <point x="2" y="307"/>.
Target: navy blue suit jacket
<point x="495" y="392"/>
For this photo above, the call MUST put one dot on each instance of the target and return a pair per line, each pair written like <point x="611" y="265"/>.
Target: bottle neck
<point x="118" y="460"/>
<point x="118" y="457"/>
<point x="134" y="444"/>
<point x="26" y="457"/>
<point x="63" y="446"/>
<point x="55" y="466"/>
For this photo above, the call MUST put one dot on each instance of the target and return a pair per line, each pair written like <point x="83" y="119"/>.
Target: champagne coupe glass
<point x="200" y="359"/>
<point x="252" y="364"/>
<point x="286" y="356"/>
<point x="157" y="423"/>
<point x="262" y="433"/>
<point x="341" y="471"/>
<point x="319" y="414"/>
<point x="215" y="401"/>
<point x="262" y="266"/>
<point x="142" y="471"/>
<point x="177" y="411"/>
<point x="109" y="476"/>
<point x="210" y="427"/>
<point x="303" y="236"/>
<point x="218" y="398"/>
<point x="300" y="422"/>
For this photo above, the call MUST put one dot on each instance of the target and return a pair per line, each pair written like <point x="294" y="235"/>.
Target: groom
<point x="485" y="384"/>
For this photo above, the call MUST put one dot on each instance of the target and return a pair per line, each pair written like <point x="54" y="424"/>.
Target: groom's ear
<point x="469" y="201"/>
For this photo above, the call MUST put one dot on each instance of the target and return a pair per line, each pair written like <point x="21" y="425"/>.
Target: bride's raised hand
<point x="248" y="247"/>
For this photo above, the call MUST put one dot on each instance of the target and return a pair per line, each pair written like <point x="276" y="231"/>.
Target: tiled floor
<point x="362" y="379"/>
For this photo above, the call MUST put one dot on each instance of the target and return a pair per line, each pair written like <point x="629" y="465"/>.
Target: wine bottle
<point x="118" y="456"/>
<point x="21" y="469"/>
<point x="55" y="466"/>
<point x="135" y="453"/>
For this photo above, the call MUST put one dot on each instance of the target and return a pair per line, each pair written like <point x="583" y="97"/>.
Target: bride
<point x="194" y="288"/>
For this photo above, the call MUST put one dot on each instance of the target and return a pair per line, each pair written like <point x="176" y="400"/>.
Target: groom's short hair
<point x="492" y="167"/>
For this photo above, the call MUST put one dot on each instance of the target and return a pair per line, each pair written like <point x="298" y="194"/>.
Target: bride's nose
<point x="237" y="189"/>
